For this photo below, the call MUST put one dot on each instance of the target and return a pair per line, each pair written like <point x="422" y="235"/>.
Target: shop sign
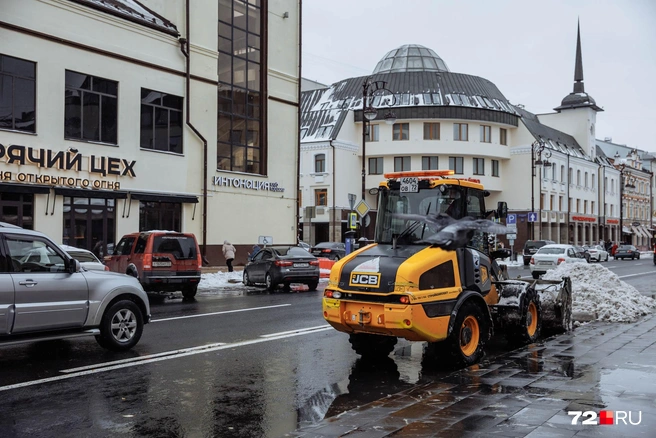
<point x="35" y="178"/>
<point x="66" y="160"/>
<point x="584" y="219"/>
<point x="242" y="183"/>
<point x="613" y="221"/>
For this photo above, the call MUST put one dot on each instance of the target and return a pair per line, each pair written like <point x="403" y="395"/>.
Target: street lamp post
<point x="537" y="149"/>
<point x="370" y="90"/>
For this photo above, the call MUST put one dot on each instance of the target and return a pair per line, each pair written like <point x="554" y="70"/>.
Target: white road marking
<point x="219" y="313"/>
<point x="636" y="275"/>
<point x="308" y="329"/>
<point x="102" y="368"/>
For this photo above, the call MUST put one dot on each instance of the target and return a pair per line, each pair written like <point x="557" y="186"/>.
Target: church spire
<point x="578" y="69"/>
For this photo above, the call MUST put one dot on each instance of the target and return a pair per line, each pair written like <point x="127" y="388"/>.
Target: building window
<point x="319" y="163"/>
<point x="562" y="174"/>
<point x="479" y="166"/>
<point x="376" y="166"/>
<point x="160" y="216"/>
<point x="461" y="132"/>
<point x="401" y="131"/>
<point x="401" y="164"/>
<point x="586" y="180"/>
<point x="429" y="163"/>
<point x="495" y="167"/>
<point x="456" y="164"/>
<point x="486" y="134"/>
<point x="242" y="83"/>
<point x="431" y="131"/>
<point x="373" y="132"/>
<point x="90" y="108"/>
<point x="161" y="121"/>
<point x="585" y="207"/>
<point x="578" y="178"/>
<point x="503" y="136"/>
<point x="17" y="209"/>
<point x="17" y="94"/>
<point x="560" y="203"/>
<point x="321" y="197"/>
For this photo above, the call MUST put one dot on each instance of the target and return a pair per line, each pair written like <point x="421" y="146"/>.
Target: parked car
<point x="305" y="246"/>
<point x="45" y="294"/>
<point x="532" y="246"/>
<point x="597" y="253"/>
<point x="87" y="259"/>
<point x="276" y="265"/>
<point x="329" y="250"/>
<point x="162" y="261"/>
<point x="583" y="252"/>
<point x="550" y="256"/>
<point x="627" y="252"/>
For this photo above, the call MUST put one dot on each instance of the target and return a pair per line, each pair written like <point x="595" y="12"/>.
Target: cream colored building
<point x="121" y="116"/>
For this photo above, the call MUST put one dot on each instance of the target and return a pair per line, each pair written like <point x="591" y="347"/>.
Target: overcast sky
<point x="526" y="48"/>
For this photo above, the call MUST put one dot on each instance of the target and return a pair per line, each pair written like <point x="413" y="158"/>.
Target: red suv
<point x="162" y="261"/>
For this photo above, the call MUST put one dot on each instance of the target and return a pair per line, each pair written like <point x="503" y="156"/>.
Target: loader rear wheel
<point x="526" y="328"/>
<point x="368" y="345"/>
<point x="468" y="336"/>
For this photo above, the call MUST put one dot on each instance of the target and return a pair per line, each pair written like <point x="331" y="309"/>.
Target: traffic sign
<point x="511" y="219"/>
<point x="511" y="236"/>
<point x="353" y="221"/>
<point x="532" y="216"/>
<point x="362" y="208"/>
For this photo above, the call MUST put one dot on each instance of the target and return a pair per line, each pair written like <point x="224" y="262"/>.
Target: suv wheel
<point x="121" y="326"/>
<point x="189" y="291"/>
<point x="313" y="286"/>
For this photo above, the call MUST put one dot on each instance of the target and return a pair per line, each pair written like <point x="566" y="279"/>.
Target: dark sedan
<point x="329" y="250"/>
<point x="276" y="265"/>
<point x="627" y="252"/>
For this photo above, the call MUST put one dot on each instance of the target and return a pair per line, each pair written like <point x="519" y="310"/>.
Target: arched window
<point x="570" y="176"/>
<point x="578" y="177"/>
<point x="319" y="163"/>
<point x="593" y="181"/>
<point x="586" y="180"/>
<point x="562" y="174"/>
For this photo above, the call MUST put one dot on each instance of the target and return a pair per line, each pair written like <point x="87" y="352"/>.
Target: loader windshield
<point x="449" y="199"/>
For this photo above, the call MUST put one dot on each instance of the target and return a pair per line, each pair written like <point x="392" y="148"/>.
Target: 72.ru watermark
<point x="590" y="418"/>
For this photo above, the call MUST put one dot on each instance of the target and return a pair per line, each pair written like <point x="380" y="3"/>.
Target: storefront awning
<point x="636" y="231"/>
<point x="625" y="230"/>
<point x="24" y="188"/>
<point x="88" y="193"/>
<point x="646" y="231"/>
<point x="161" y="197"/>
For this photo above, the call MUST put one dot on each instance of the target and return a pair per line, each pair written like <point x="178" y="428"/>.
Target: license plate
<point x="161" y="264"/>
<point x="301" y="265"/>
<point x="544" y="263"/>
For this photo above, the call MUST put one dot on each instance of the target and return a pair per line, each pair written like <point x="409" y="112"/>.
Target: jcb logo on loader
<point x="367" y="280"/>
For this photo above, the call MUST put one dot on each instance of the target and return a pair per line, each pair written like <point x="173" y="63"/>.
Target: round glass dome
<point x="410" y="57"/>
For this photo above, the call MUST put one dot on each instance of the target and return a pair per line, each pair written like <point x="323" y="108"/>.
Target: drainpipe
<point x="185" y="44"/>
<point x="334" y="212"/>
<point x="568" y="200"/>
<point x="298" y="161"/>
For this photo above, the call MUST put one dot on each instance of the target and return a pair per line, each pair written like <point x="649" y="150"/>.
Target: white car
<point x="550" y="256"/>
<point x="86" y="258"/>
<point x="597" y="253"/>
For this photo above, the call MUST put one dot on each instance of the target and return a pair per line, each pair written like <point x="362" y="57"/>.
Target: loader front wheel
<point x="527" y="327"/>
<point x="372" y="346"/>
<point x="469" y="335"/>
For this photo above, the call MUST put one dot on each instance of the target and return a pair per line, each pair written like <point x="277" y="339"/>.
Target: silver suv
<point x="45" y="294"/>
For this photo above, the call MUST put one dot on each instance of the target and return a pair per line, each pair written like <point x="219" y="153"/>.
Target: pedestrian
<point x="229" y="252"/>
<point x="613" y="249"/>
<point x="254" y="251"/>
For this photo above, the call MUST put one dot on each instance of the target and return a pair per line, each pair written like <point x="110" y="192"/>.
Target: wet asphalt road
<point x="241" y="362"/>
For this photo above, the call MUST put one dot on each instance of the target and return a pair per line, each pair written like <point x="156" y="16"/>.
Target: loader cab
<point x="432" y="194"/>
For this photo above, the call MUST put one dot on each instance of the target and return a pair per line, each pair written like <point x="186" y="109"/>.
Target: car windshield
<point x="291" y="251"/>
<point x="534" y="244"/>
<point x="180" y="246"/>
<point x="544" y="250"/>
<point x="326" y="245"/>
<point x="83" y="256"/>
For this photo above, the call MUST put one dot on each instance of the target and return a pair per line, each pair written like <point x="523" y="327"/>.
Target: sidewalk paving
<point x="525" y="392"/>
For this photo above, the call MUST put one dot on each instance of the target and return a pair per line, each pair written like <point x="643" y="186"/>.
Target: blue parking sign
<point x="511" y="219"/>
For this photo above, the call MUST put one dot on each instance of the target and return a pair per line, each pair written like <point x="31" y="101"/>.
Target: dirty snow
<point x="227" y="279"/>
<point x="598" y="291"/>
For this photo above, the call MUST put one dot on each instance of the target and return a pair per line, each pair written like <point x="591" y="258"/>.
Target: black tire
<point x="268" y="281"/>
<point x="247" y="281"/>
<point x="372" y="346"/>
<point x="632" y="257"/>
<point x="526" y="262"/>
<point x="535" y="275"/>
<point x="527" y="327"/>
<point x="127" y="321"/>
<point x="470" y="332"/>
<point x="189" y="291"/>
<point x="313" y="286"/>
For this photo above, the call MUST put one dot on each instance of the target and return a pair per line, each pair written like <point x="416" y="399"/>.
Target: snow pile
<point x="600" y="292"/>
<point x="220" y="279"/>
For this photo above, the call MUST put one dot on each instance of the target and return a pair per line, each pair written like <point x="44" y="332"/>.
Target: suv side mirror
<point x="502" y="209"/>
<point x="74" y="266"/>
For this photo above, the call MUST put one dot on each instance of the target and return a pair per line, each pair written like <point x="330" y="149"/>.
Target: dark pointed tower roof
<point x="578" y="98"/>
